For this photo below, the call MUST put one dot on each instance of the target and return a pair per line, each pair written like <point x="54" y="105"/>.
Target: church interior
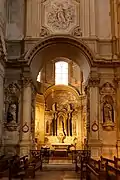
<point x="60" y="89"/>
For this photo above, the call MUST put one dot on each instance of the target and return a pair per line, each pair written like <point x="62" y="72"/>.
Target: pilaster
<point x="25" y="144"/>
<point x="93" y="114"/>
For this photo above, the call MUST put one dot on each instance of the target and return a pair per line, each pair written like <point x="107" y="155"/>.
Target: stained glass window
<point x="61" y="73"/>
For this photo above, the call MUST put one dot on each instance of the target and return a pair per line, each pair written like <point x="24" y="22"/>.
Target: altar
<point x="61" y="146"/>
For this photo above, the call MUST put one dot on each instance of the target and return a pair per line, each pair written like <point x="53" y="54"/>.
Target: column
<point x="1" y="107"/>
<point x="93" y="137"/>
<point x="79" y="127"/>
<point x="40" y="102"/>
<point x="25" y="144"/>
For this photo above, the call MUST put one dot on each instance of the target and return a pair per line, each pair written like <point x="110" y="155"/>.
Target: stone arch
<point x="54" y="46"/>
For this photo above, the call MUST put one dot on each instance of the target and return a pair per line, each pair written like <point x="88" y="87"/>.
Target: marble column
<point x="25" y="144"/>
<point x="1" y="107"/>
<point x="93" y="138"/>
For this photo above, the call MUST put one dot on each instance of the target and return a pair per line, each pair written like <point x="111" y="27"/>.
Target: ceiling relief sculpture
<point x="60" y="16"/>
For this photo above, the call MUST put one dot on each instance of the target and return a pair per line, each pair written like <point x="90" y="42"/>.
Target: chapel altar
<point x="63" y="123"/>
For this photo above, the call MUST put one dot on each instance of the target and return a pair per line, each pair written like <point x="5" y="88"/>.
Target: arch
<point x="56" y="39"/>
<point x="57" y="46"/>
<point x="63" y="87"/>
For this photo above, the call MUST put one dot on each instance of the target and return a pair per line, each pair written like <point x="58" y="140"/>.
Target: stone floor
<point x="57" y="169"/>
<point x="54" y="175"/>
<point x="57" y="175"/>
<point x="56" y="172"/>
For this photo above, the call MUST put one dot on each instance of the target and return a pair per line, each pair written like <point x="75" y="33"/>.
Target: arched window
<point x="61" y="73"/>
<point x="39" y="77"/>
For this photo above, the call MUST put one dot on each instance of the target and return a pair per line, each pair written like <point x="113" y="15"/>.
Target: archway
<point x="59" y="46"/>
<point x="47" y="52"/>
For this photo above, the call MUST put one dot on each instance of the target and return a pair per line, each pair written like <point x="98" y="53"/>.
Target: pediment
<point x="107" y="88"/>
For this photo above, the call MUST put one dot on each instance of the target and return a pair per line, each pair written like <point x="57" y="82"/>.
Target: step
<point x="59" y="167"/>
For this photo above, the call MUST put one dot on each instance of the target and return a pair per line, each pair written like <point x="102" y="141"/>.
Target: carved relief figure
<point x="108" y="112"/>
<point x="61" y="15"/>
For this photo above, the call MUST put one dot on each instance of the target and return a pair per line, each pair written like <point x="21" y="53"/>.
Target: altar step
<point x="60" y="161"/>
<point x="59" y="167"/>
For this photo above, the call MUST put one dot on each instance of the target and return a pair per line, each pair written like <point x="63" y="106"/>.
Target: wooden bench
<point x="15" y="167"/>
<point x="111" y="167"/>
<point x="4" y="165"/>
<point x="103" y="169"/>
<point x="81" y="157"/>
<point x="94" y="171"/>
<point x="35" y="163"/>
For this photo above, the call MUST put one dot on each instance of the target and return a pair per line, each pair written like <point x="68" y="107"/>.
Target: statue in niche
<point x="12" y="113"/>
<point x="108" y="114"/>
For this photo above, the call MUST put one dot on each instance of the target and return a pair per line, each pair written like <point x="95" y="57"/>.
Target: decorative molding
<point x="94" y="82"/>
<point x="44" y="32"/>
<point x="77" y="32"/>
<point x="95" y="127"/>
<point x="107" y="88"/>
<point x="12" y="89"/>
<point x="60" y="16"/>
<point x="25" y="128"/>
<point x="26" y="81"/>
<point x="11" y="126"/>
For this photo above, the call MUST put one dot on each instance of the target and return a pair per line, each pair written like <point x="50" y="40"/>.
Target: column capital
<point x="93" y="79"/>
<point x="26" y="81"/>
<point x="93" y="82"/>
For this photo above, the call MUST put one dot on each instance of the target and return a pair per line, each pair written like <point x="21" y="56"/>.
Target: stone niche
<point x="108" y="106"/>
<point x="11" y="117"/>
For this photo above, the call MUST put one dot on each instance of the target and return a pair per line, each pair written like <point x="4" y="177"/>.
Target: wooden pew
<point x="4" y="164"/>
<point x="104" y="169"/>
<point x="112" y="168"/>
<point x="94" y="171"/>
<point x="35" y="163"/>
<point x="1" y="157"/>
<point x="81" y="156"/>
<point x="117" y="162"/>
<point x="15" y="167"/>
